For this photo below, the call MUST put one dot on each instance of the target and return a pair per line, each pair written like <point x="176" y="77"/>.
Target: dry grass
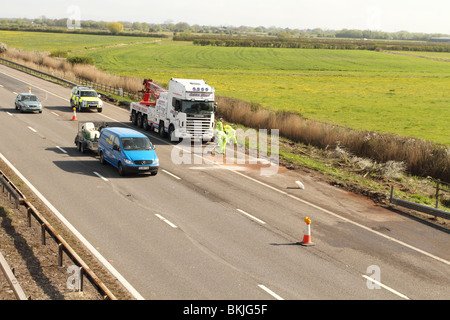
<point x="419" y="157"/>
<point x="59" y="67"/>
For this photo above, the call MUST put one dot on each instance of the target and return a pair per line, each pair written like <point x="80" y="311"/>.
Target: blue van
<point x="127" y="150"/>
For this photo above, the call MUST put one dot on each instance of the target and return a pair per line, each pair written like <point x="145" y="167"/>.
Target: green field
<point x="364" y="90"/>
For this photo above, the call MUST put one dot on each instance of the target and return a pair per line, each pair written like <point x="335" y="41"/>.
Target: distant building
<point x="440" y="39"/>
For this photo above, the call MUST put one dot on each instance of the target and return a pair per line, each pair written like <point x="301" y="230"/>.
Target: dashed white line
<point x="1" y="86"/>
<point x="250" y="216"/>
<point x="76" y="233"/>
<point x="171" y="174"/>
<point x="100" y="176"/>
<point x="55" y="113"/>
<point x="166" y="221"/>
<point x="61" y="149"/>
<point x="32" y="129"/>
<point x="385" y="287"/>
<point x="9" y="113"/>
<point x="273" y="294"/>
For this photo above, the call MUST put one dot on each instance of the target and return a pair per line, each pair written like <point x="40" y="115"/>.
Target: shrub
<point x="59" y="54"/>
<point x="3" y="47"/>
<point x="80" y="60"/>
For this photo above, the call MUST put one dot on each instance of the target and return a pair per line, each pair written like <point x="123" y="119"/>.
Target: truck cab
<point x="190" y="109"/>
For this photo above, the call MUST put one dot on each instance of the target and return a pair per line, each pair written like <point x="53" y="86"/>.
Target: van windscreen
<point x="136" y="143"/>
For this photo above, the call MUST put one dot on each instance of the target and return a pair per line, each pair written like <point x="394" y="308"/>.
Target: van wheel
<point x="120" y="168"/>
<point x="82" y="149"/>
<point x="102" y="158"/>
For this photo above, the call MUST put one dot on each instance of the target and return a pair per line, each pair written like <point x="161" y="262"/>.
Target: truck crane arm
<point x="151" y="89"/>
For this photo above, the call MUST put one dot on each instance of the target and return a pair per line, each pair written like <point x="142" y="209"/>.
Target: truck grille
<point x="143" y="162"/>
<point x="198" y="125"/>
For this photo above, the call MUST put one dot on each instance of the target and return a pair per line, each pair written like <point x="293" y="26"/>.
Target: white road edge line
<point x="28" y="84"/>
<point x="385" y="287"/>
<point x="166" y="221"/>
<point x="273" y="294"/>
<point x="76" y="233"/>
<point x="282" y="192"/>
<point x="317" y="207"/>
<point x="250" y="216"/>
<point x="9" y="113"/>
<point x="34" y="130"/>
<point x="348" y="220"/>
<point x="62" y="150"/>
<point x="171" y="174"/>
<point x="100" y="176"/>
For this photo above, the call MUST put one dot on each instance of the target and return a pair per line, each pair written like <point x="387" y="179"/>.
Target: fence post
<point x="437" y="193"/>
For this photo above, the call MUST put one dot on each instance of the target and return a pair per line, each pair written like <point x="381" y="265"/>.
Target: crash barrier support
<point x="418" y="207"/>
<point x="63" y="246"/>
<point x="15" y="286"/>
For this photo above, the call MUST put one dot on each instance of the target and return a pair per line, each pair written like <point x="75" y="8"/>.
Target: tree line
<point x="314" y="43"/>
<point x="144" y="28"/>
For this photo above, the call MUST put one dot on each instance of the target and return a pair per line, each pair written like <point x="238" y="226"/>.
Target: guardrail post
<point x="43" y="234"/>
<point x="29" y="217"/>
<point x="60" y="254"/>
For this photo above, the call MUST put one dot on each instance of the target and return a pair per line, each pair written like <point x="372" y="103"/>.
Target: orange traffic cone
<point x="307" y="236"/>
<point x="74" y="117"/>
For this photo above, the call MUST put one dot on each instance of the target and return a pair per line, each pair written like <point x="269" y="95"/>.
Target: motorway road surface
<point x="217" y="231"/>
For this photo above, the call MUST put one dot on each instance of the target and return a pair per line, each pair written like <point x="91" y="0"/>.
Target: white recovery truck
<point x="184" y="111"/>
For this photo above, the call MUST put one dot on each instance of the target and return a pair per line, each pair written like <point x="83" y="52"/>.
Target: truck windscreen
<point x="197" y="107"/>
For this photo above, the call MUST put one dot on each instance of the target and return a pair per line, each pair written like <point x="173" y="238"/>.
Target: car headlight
<point x="100" y="103"/>
<point x="156" y="161"/>
<point x="128" y="161"/>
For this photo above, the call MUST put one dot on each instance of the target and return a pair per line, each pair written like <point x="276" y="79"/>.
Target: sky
<point x="431" y="16"/>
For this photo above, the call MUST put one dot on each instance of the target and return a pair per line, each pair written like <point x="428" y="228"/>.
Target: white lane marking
<point x="1" y="86"/>
<point x="9" y="113"/>
<point x="319" y="208"/>
<point x="273" y="294"/>
<point x="34" y="130"/>
<point x="76" y="233"/>
<point x="282" y="192"/>
<point x="385" y="287"/>
<point x="55" y="113"/>
<point x="250" y="216"/>
<point x="348" y="220"/>
<point x="166" y="221"/>
<point x="15" y="93"/>
<point x="171" y="174"/>
<point x="62" y="150"/>
<point x="100" y="176"/>
<point x="53" y="94"/>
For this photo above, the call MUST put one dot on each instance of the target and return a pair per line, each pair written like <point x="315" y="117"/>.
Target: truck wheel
<point x="145" y="123"/>
<point x="172" y="134"/>
<point x="161" y="131"/>
<point x="139" y="120"/>
<point x="133" y="118"/>
<point x="82" y="148"/>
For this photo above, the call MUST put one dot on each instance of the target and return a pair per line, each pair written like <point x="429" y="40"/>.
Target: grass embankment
<point x="367" y="91"/>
